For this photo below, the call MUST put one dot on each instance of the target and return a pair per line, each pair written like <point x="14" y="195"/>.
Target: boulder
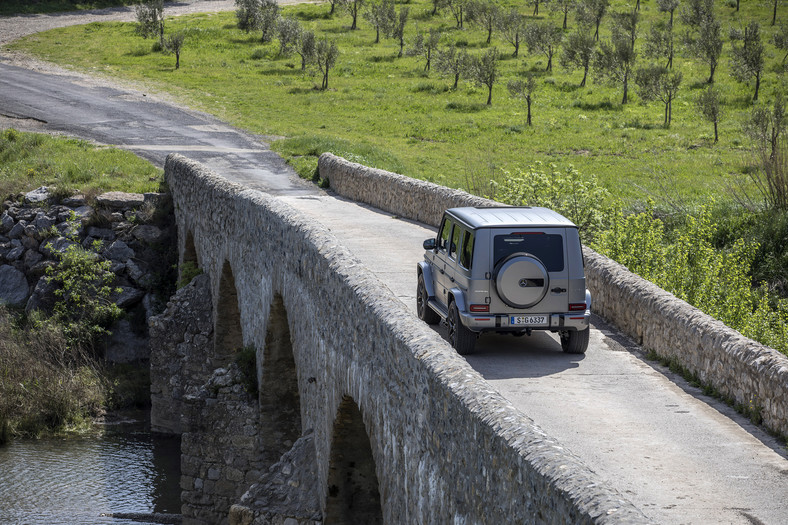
<point x="104" y="234"/>
<point x="127" y="297"/>
<point x="31" y="258"/>
<point x="6" y="223"/>
<point x="18" y="230"/>
<point x="74" y="201"/>
<point x="118" y="200"/>
<point x="38" y="195"/>
<point x="42" y="222"/>
<point x="15" y="253"/>
<point x="13" y="286"/>
<point x="43" y="296"/>
<point x="53" y="247"/>
<point x="148" y="234"/>
<point x="119" y="251"/>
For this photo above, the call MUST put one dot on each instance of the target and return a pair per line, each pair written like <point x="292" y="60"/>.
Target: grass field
<point x="30" y="160"/>
<point x="386" y="112"/>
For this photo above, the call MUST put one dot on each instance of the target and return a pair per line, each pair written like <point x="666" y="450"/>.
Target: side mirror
<point x="429" y="244"/>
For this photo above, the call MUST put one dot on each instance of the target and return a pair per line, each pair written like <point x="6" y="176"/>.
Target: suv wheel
<point x="575" y="341"/>
<point x="462" y="339"/>
<point x="426" y="314"/>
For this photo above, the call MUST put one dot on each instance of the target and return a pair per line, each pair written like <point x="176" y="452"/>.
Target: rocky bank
<point x="135" y="232"/>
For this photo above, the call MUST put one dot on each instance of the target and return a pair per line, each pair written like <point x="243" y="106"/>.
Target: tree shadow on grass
<point x="605" y="105"/>
<point x="466" y="107"/>
<point x="382" y="58"/>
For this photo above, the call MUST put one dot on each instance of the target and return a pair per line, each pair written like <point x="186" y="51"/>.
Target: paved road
<point x="677" y="455"/>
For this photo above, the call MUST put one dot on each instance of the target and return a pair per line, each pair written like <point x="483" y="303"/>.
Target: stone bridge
<point x="305" y="392"/>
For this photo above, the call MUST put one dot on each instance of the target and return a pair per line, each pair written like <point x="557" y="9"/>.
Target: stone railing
<point x="749" y="373"/>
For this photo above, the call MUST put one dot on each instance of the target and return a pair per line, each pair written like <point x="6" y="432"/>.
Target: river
<point x="77" y="479"/>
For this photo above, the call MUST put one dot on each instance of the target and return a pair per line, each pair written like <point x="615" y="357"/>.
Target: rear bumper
<point x="502" y="322"/>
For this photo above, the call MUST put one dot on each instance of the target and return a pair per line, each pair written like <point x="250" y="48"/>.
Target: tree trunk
<point x="456" y="80"/>
<point x="774" y="13"/>
<point x="549" y="62"/>
<point x="353" y="25"/>
<point x="712" y="68"/>
<point x="489" y="32"/>
<point x="716" y="136"/>
<point x="585" y="75"/>
<point x="427" y="65"/>
<point x="536" y="7"/>
<point x="333" y="5"/>
<point x="517" y="45"/>
<point x="489" y="96"/>
<point x="401" y="45"/>
<point x="757" y="86"/>
<point x="377" y="34"/>
<point x="566" y="13"/>
<point x="528" y="100"/>
<point x="596" y="33"/>
<point x="177" y="59"/>
<point x="671" y="19"/>
<point x="626" y="81"/>
<point x="670" y="56"/>
<point x="737" y="6"/>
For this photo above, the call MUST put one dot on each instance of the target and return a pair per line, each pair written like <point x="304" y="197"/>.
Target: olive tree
<point x="380" y="15"/>
<point x="484" y="14"/>
<point x="660" y="43"/>
<point x="353" y="7"/>
<point x="458" y="8"/>
<point x="563" y="7"/>
<point x="452" y="62"/>
<point x="326" y="53"/>
<point x="524" y="89"/>
<point x="703" y="39"/>
<point x="544" y="38"/>
<point x="268" y="17"/>
<point x="668" y="6"/>
<point x="288" y="31"/>
<point x="248" y="14"/>
<point x="150" y="19"/>
<point x="397" y="29"/>
<point x="174" y="44"/>
<point x="614" y="61"/>
<point x="710" y="107"/>
<point x="424" y="45"/>
<point x="659" y="83"/>
<point x="747" y="55"/>
<point x="511" y="25"/>
<point x="591" y="12"/>
<point x="780" y="40"/>
<point x="483" y="70"/>
<point x="306" y="48"/>
<point x="578" y="52"/>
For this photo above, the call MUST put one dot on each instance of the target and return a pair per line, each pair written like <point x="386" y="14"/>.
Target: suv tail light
<point x="480" y="308"/>
<point x="577" y="307"/>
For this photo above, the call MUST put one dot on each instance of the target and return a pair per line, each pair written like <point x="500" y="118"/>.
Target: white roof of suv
<point x="511" y="217"/>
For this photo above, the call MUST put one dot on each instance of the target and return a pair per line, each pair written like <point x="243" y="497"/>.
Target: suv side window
<point x="455" y="242"/>
<point x="466" y="255"/>
<point x="443" y="236"/>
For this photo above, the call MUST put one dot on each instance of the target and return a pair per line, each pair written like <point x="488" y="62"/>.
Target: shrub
<point x="83" y="306"/>
<point x="579" y="198"/>
<point x="188" y="271"/>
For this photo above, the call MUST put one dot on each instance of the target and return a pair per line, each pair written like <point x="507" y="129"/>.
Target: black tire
<point x="426" y="314"/>
<point x="462" y="339"/>
<point x="575" y="341"/>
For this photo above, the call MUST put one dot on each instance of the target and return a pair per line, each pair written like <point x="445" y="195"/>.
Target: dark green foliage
<point x="150" y="19"/>
<point x="246" y="359"/>
<point x="544" y="38"/>
<point x="524" y="89"/>
<point x="578" y="52"/>
<point x="747" y="55"/>
<point x="173" y="44"/>
<point x="187" y="271"/>
<point x="710" y="106"/>
<point x="659" y="83"/>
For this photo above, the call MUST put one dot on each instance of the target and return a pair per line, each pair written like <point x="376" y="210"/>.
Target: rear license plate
<point x="528" y="320"/>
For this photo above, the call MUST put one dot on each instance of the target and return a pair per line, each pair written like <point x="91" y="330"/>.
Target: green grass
<point x="30" y="160"/>
<point x="24" y="7"/>
<point x="385" y="111"/>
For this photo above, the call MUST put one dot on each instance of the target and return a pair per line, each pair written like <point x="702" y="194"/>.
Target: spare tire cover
<point x="521" y="280"/>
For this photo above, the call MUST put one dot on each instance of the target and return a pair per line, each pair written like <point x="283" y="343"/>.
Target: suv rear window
<point x="548" y="248"/>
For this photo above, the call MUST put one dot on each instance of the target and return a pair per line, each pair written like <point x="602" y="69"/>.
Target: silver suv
<point x="507" y="270"/>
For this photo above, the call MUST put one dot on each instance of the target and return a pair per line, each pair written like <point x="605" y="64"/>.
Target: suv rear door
<point x="548" y="245"/>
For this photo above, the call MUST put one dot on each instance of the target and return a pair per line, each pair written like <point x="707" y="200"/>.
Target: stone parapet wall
<point x="747" y="372"/>
<point x="447" y="447"/>
<point x="751" y="374"/>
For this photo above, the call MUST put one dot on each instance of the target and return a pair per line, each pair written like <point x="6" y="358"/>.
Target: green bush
<point x="84" y="285"/>
<point x="580" y="198"/>
<point x="686" y="263"/>
<point x="188" y="271"/>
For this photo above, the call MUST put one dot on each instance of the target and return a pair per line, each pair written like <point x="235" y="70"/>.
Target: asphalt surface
<point x="676" y="454"/>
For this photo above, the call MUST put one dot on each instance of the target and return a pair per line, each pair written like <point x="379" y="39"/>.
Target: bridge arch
<point x="189" y="253"/>
<point x="228" y="334"/>
<point x="353" y="493"/>
<point x="280" y="402"/>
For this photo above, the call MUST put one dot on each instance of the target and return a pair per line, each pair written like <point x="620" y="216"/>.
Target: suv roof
<point x="511" y="217"/>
